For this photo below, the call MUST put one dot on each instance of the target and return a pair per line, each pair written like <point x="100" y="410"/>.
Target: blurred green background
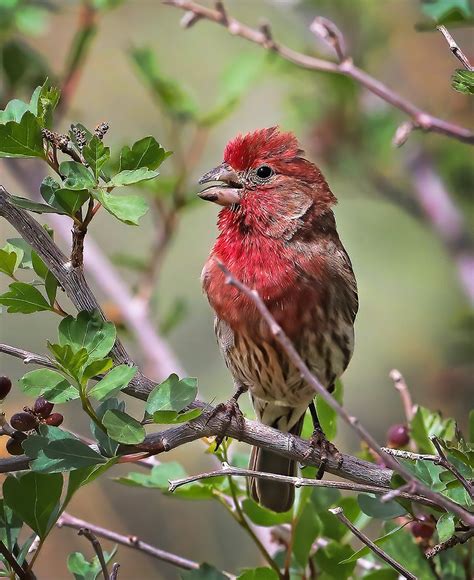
<point x="413" y="314"/>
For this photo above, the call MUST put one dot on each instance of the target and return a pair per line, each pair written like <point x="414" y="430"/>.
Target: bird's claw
<point x="228" y="411"/>
<point x="326" y="449"/>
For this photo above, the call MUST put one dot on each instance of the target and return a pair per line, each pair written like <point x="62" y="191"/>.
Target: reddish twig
<point x="420" y="119"/>
<point x="401" y="386"/>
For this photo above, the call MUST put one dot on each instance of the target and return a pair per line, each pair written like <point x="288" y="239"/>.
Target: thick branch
<point x="339" y="513"/>
<point x="419" y="118"/>
<point x="66" y="520"/>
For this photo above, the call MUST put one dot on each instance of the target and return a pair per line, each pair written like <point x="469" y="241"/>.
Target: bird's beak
<point x="228" y="191"/>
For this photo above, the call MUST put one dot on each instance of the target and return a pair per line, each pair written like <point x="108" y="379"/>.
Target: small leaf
<point x="445" y="527"/>
<point x="65" y="200"/>
<point x="264" y="517"/>
<point x="205" y="572"/>
<point x="107" y="446"/>
<point x="373" y="507"/>
<point x="71" y="361"/>
<point x="48" y="383"/>
<point x="463" y="81"/>
<point x="129" y="177"/>
<point x="9" y="262"/>
<point x="258" y="574"/>
<point x="97" y="367"/>
<point x="115" y="380"/>
<point x="51" y="285"/>
<point x="77" y="177"/>
<point x="172" y="395"/>
<point x="33" y="206"/>
<point x="146" y="153"/>
<point x="73" y="454"/>
<point x="172" y="417"/>
<point x="90" y="331"/>
<point x="35" y="498"/>
<point x="21" y="139"/>
<point x="307" y="530"/>
<point x="24" y="298"/>
<point x="366" y="550"/>
<point x="127" y="208"/>
<point x="96" y="154"/>
<point x="123" y="428"/>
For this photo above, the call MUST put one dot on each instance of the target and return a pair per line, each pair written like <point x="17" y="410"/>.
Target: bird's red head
<point x="265" y="182"/>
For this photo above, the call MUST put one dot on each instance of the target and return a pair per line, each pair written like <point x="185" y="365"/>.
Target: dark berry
<point x="23" y="421"/>
<point x="5" y="386"/>
<point x="14" y="443"/>
<point x="423" y="527"/>
<point x="43" y="408"/>
<point x="397" y="436"/>
<point x="54" y="420"/>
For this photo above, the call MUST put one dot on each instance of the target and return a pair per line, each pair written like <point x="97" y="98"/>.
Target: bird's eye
<point x="264" y="172"/>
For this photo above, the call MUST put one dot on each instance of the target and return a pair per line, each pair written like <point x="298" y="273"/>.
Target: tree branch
<point x="458" y="53"/>
<point x="69" y="521"/>
<point x="296" y="481"/>
<point x="339" y="513"/>
<point x="87" y="533"/>
<point x="453" y="541"/>
<point x="444" y="462"/>
<point x="420" y="119"/>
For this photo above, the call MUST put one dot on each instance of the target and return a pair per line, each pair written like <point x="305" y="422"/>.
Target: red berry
<point x="423" y="527"/>
<point x="14" y="443"/>
<point x="54" y="420"/>
<point x="43" y="408"/>
<point x="5" y="386"/>
<point x="397" y="436"/>
<point x="23" y="421"/>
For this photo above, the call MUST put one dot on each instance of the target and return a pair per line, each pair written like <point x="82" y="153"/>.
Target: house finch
<point x="278" y="235"/>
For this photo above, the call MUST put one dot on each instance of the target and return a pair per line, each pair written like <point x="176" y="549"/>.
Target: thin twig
<point x="10" y="558"/>
<point x="89" y="535"/>
<point x="401" y="386"/>
<point x="420" y="119"/>
<point x="454" y="47"/>
<point x="69" y="521"/>
<point x="410" y="455"/>
<point x="453" y="541"/>
<point x="339" y="513"/>
<point x="444" y="462"/>
<point x="352" y="421"/>
<point x="114" y="573"/>
<point x="231" y="471"/>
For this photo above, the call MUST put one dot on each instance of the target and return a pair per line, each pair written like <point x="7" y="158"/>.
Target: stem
<point x="10" y="558"/>
<point x="86" y="532"/>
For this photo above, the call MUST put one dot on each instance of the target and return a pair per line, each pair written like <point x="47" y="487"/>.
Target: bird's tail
<point x="274" y="495"/>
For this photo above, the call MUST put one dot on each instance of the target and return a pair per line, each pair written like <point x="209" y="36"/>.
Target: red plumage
<point x="279" y="238"/>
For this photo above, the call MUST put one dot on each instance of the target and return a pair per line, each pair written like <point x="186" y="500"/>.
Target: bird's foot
<point x="326" y="449"/>
<point x="227" y="412"/>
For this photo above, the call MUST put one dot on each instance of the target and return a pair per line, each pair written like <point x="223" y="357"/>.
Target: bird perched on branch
<point x="278" y="236"/>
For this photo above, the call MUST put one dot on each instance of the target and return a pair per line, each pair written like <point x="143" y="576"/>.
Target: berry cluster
<point x="28" y="419"/>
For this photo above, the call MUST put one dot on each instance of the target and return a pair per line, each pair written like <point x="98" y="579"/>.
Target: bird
<point x="278" y="236"/>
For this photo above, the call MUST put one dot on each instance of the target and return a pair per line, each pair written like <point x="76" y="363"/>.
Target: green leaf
<point x="263" y="517"/>
<point x="308" y="528"/>
<point x="172" y="395"/>
<point x="96" y="154"/>
<point x="21" y="139"/>
<point x="129" y="177"/>
<point x="73" y="454"/>
<point x="328" y="560"/>
<point x="258" y="574"/>
<point x="169" y="93"/>
<point x="76" y="176"/>
<point x="51" y="285"/>
<point x="205" y="572"/>
<point x="39" y="266"/>
<point x="98" y="367"/>
<point x="463" y="81"/>
<point x="88" y="331"/>
<point x="425" y="424"/>
<point x="33" y="206"/>
<point x="326" y="414"/>
<point x="71" y="361"/>
<point x="147" y="153"/>
<point x="24" y="298"/>
<point x="19" y="246"/>
<point x="373" y="507"/>
<point x="123" y="428"/>
<point x="115" y="380"/>
<point x="83" y="569"/>
<point x="9" y="262"/>
<point x="447" y="11"/>
<point x="172" y="417"/>
<point x="47" y="102"/>
<point x="127" y="208"/>
<point x="107" y="446"/>
<point x="14" y="111"/>
<point x="66" y="201"/>
<point x="48" y="383"/>
<point x="35" y="498"/>
<point x="365" y="551"/>
<point x="445" y="526"/>
<point x="10" y="526"/>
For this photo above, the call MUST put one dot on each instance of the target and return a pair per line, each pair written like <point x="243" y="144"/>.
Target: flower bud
<point x="42" y="407"/>
<point x="397" y="436"/>
<point x="23" y="421"/>
<point x="14" y="443"/>
<point x="5" y="386"/>
<point x="423" y="528"/>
